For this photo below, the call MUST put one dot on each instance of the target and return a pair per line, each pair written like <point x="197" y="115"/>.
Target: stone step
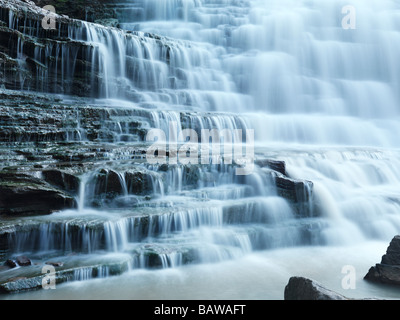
<point x="170" y="251"/>
<point x="90" y="231"/>
<point x="223" y="192"/>
<point x="74" y="267"/>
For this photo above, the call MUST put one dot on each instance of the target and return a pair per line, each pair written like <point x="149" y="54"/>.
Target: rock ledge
<point x="388" y="271"/>
<point x="300" y="288"/>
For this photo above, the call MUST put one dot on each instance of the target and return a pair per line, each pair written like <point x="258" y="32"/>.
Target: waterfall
<point x="323" y="102"/>
<point x="275" y="59"/>
<point x="290" y="71"/>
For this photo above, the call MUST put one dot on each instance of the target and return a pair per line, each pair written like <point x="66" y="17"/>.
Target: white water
<point x="323" y="99"/>
<point x="312" y="84"/>
<point x="257" y="276"/>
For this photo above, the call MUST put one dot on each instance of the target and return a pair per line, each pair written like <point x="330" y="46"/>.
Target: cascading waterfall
<point x="330" y="80"/>
<point x="320" y="98"/>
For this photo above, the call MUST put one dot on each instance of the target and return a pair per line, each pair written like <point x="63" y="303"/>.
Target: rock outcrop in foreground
<point x="388" y="271"/>
<point x="300" y="288"/>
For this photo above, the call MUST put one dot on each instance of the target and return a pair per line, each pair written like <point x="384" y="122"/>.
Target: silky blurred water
<point x="258" y="276"/>
<point x="322" y="98"/>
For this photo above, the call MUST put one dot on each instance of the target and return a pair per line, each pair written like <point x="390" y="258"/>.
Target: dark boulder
<point x="10" y="263"/>
<point x="24" y="195"/>
<point x="388" y="271"/>
<point x="300" y="288"/>
<point x="23" y="261"/>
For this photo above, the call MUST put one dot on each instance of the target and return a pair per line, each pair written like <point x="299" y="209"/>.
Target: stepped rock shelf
<point x="77" y="192"/>
<point x="117" y="211"/>
<point x="75" y="154"/>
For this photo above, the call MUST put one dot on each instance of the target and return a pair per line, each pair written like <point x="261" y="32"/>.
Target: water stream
<point x="321" y="98"/>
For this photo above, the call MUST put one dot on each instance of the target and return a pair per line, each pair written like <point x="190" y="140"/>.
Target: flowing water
<point x="321" y="98"/>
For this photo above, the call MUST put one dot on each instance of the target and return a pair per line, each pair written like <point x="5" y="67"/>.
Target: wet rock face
<point x="110" y="183"/>
<point x="69" y="59"/>
<point x="63" y="180"/>
<point x="138" y="182"/>
<point x="89" y="10"/>
<point x="29" y="117"/>
<point x="23" y="195"/>
<point x="34" y="58"/>
<point x="388" y="271"/>
<point x="23" y="62"/>
<point x="32" y="277"/>
<point x="279" y="166"/>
